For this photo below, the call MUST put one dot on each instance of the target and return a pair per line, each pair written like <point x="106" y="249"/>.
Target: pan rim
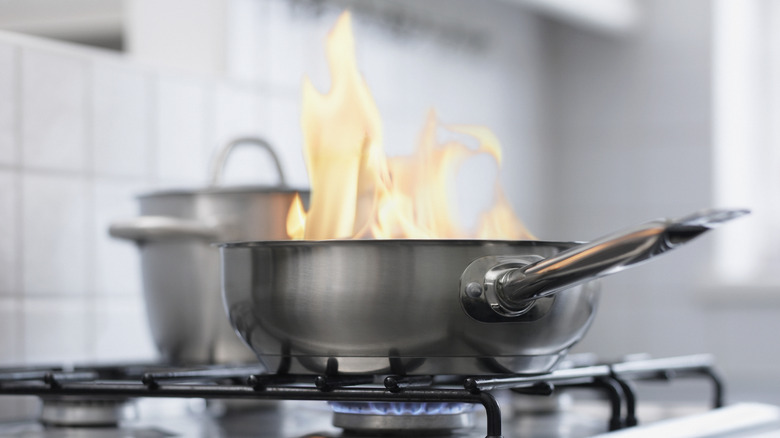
<point x="397" y="242"/>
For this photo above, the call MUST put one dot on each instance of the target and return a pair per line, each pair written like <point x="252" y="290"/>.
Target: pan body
<point x="390" y="307"/>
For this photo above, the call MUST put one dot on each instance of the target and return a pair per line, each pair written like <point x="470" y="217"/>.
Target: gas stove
<point x="581" y="398"/>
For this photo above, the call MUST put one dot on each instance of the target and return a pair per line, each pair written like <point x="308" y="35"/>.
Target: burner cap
<point x="76" y="411"/>
<point x="392" y="418"/>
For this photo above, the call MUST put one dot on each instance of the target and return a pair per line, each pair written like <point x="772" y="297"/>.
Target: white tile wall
<point x="239" y="110"/>
<point x="116" y="268"/>
<point x="12" y="353"/>
<point x="96" y="130"/>
<point x="54" y="110"/>
<point x="8" y="92"/>
<point x="670" y="156"/>
<point x="286" y="136"/>
<point x="242" y="111"/>
<point x="8" y="230"/>
<point x="382" y="62"/>
<point x="55" y="237"/>
<point x="248" y="57"/>
<point x="121" y="330"/>
<point x="58" y="330"/>
<point x="295" y="47"/>
<point x="182" y="129"/>
<point x="121" y="122"/>
<point x="10" y="343"/>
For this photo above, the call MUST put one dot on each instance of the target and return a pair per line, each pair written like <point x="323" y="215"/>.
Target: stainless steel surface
<point x="150" y="228"/>
<point x="395" y="306"/>
<point x="299" y="420"/>
<point x="29" y="430"/>
<point x="509" y="286"/>
<point x="218" y="165"/>
<point x="678" y="403"/>
<point x="180" y="268"/>
<point x="402" y="424"/>
<point x="741" y="420"/>
<point x="79" y="411"/>
<point x="402" y="418"/>
<point x="607" y="255"/>
<point x="389" y="306"/>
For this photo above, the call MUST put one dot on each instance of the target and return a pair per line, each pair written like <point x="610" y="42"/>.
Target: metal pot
<point x="175" y="233"/>
<point x="429" y="306"/>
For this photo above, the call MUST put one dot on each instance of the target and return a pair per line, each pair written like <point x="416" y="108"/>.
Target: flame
<point x="358" y="192"/>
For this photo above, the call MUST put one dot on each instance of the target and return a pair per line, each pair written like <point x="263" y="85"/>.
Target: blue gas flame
<point x="401" y="408"/>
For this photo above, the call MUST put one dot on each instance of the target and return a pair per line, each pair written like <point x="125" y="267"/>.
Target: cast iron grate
<point x="615" y="380"/>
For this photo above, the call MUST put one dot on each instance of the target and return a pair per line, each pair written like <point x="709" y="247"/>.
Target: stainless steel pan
<point x="429" y="306"/>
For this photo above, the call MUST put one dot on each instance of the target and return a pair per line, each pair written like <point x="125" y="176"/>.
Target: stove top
<point x="580" y="399"/>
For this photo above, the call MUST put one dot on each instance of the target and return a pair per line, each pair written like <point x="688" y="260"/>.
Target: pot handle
<point x="513" y="284"/>
<point x="144" y="228"/>
<point x="218" y="165"/>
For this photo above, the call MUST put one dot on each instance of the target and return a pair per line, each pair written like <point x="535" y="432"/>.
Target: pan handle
<point x="515" y="284"/>
<point x="218" y="165"/>
<point x="145" y="228"/>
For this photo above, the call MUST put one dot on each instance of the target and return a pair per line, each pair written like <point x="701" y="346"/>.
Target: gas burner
<point x="363" y="404"/>
<point x="398" y="418"/>
<point x="82" y="411"/>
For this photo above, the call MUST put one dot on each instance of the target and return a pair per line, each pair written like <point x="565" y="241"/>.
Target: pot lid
<point x="216" y="188"/>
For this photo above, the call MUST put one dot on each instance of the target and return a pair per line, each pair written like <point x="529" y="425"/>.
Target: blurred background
<point x="610" y="113"/>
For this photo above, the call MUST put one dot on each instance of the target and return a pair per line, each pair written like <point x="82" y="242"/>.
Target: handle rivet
<point x="474" y="289"/>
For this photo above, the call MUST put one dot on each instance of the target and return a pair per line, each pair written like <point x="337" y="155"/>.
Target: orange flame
<point x="357" y="192"/>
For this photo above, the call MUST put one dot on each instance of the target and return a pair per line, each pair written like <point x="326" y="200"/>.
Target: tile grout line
<point x="33" y="170"/>
<point x="209" y="128"/>
<point x="91" y="222"/>
<point x="153" y="137"/>
<point x="19" y="213"/>
<point x="18" y="106"/>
